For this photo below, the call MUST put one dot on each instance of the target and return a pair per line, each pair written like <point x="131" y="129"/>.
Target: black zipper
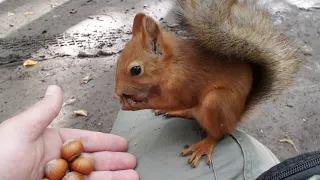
<point x="296" y="169"/>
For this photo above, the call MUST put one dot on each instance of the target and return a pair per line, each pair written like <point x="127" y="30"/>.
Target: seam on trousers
<point x="247" y="156"/>
<point x="275" y="159"/>
<point x="213" y="168"/>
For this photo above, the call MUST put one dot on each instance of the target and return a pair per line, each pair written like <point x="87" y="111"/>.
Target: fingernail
<point x="50" y="90"/>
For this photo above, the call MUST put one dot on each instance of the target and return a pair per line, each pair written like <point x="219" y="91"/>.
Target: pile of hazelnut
<point x="72" y="165"/>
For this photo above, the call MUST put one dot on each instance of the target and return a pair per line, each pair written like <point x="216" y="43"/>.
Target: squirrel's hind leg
<point x="218" y="114"/>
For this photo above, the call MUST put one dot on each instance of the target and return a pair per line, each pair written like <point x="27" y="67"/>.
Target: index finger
<point x="94" y="141"/>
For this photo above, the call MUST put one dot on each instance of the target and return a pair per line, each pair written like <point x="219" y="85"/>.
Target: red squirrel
<point x="234" y="60"/>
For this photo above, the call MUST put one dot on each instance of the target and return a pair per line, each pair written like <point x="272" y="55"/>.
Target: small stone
<point x="73" y="11"/>
<point x="306" y="50"/>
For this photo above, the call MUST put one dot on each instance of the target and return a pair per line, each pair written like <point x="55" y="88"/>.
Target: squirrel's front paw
<point x="187" y="113"/>
<point x="158" y="112"/>
<point x="130" y="105"/>
<point x="163" y="113"/>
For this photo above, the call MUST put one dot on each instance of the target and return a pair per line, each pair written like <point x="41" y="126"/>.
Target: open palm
<point x="27" y="144"/>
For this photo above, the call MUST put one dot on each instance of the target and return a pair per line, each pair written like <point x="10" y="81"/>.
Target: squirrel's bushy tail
<point x="242" y="30"/>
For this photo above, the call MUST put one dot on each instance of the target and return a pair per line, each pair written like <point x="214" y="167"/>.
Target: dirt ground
<point x="74" y="38"/>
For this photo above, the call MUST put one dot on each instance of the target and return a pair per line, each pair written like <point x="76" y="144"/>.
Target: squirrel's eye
<point x="135" y="70"/>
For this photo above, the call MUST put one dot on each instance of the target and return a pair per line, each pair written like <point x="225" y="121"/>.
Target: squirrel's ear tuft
<point x="137" y="24"/>
<point x="149" y="31"/>
<point x="151" y="27"/>
<point x="151" y="36"/>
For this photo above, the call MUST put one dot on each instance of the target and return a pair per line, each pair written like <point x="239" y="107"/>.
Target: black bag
<point x="302" y="167"/>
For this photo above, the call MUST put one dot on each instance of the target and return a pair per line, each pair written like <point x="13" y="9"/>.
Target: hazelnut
<point x="83" y="164"/>
<point x="71" y="149"/>
<point x="73" y="176"/>
<point x="56" y="169"/>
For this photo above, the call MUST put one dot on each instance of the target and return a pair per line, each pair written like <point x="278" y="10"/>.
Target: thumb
<point x="36" y="119"/>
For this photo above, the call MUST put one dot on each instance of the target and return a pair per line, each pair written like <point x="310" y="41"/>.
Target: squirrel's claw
<point x="166" y="115"/>
<point x="158" y="112"/>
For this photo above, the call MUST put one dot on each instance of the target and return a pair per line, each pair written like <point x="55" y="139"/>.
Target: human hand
<point x="27" y="144"/>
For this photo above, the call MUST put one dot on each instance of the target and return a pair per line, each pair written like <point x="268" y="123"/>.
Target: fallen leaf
<point x="290" y="141"/>
<point x="49" y="74"/>
<point x="172" y="25"/>
<point x="28" y="13"/>
<point x="69" y="101"/>
<point x="29" y="62"/>
<point x="81" y="112"/>
<point x="86" y="79"/>
<point x="54" y="5"/>
<point x="10" y="14"/>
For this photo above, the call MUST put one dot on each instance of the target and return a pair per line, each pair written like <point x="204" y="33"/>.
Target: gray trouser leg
<point x="156" y="143"/>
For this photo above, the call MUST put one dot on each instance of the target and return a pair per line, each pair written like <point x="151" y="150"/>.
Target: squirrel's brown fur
<point x="243" y="31"/>
<point x="235" y="60"/>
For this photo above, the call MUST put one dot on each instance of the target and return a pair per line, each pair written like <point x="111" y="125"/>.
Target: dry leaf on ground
<point x="86" y="79"/>
<point x="29" y="62"/>
<point x="81" y="112"/>
<point x="290" y="141"/>
<point x="69" y="101"/>
<point x="28" y="13"/>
